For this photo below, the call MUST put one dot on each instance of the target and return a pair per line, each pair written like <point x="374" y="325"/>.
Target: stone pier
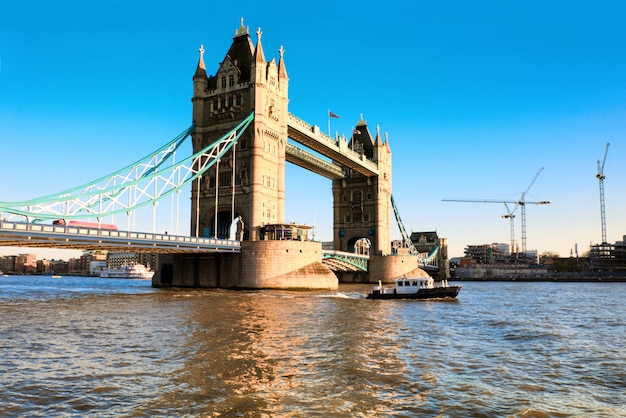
<point x="261" y="265"/>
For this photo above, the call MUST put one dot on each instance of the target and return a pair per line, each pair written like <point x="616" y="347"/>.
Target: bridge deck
<point x="312" y="163"/>
<point x="311" y="137"/>
<point x="68" y="237"/>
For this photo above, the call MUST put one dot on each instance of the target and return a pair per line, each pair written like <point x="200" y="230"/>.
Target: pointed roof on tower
<point x="240" y="53"/>
<point x="362" y="139"/>
<point x="201" y="69"/>
<point x="259" y="56"/>
<point x="378" y="140"/>
<point x="282" y="71"/>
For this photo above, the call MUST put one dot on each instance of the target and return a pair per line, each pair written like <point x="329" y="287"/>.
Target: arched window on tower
<point x="224" y="82"/>
<point x="231" y="80"/>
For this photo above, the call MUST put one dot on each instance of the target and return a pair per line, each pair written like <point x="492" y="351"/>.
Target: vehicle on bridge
<point x="415" y="288"/>
<point x="80" y="224"/>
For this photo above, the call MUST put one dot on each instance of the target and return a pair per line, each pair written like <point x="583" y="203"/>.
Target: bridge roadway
<point x="312" y="137"/>
<point x="70" y="237"/>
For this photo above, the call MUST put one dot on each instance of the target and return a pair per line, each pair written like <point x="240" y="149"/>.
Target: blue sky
<point x="476" y="98"/>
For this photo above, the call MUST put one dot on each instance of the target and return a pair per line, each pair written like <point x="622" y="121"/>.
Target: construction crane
<point x="522" y="202"/>
<point x="600" y="176"/>
<point x="510" y="214"/>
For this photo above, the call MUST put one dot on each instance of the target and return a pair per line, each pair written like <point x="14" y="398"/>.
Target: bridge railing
<point x="55" y="230"/>
<point x="313" y="130"/>
<point x="357" y="260"/>
<point x="344" y="254"/>
<point x="341" y="146"/>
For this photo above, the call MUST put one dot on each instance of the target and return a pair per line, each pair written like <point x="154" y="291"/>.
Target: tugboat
<point x="415" y="288"/>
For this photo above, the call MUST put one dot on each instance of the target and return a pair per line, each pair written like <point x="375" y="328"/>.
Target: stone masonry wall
<point x="285" y="264"/>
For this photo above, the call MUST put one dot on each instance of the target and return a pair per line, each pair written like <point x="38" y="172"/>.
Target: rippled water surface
<point x="90" y="346"/>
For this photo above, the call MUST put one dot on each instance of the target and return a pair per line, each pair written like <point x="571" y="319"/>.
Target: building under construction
<point x="497" y="253"/>
<point x="608" y="257"/>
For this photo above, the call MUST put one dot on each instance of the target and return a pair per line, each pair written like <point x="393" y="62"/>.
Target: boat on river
<point x="132" y="271"/>
<point x="415" y="288"/>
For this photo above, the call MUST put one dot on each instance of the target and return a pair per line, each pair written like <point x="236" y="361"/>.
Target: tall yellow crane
<point x="600" y="176"/>
<point x="522" y="202"/>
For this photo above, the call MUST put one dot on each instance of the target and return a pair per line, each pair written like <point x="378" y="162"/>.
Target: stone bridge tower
<point x="244" y="82"/>
<point x="362" y="205"/>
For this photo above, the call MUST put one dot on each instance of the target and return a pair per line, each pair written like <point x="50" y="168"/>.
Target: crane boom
<point x="521" y="202"/>
<point x="606" y="150"/>
<point x="600" y="176"/>
<point x="516" y="202"/>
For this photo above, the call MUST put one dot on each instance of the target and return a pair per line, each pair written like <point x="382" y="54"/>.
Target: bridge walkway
<point x="312" y="137"/>
<point x="67" y="237"/>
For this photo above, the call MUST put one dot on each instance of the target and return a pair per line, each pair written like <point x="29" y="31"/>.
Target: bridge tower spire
<point x="244" y="82"/>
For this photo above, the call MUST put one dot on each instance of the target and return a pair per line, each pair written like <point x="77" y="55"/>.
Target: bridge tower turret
<point x="362" y="205"/>
<point x="245" y="82"/>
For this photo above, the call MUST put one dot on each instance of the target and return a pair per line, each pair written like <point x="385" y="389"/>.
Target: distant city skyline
<point x="475" y="97"/>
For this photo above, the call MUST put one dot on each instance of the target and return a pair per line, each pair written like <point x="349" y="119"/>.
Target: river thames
<point x="100" y="347"/>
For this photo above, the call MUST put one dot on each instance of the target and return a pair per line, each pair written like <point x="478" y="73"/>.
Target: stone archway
<point x="224" y="222"/>
<point x="359" y="245"/>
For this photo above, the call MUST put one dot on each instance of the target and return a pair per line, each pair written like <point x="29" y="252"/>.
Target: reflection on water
<point x="118" y="347"/>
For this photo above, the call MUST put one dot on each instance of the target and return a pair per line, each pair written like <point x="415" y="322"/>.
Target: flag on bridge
<point x="332" y="115"/>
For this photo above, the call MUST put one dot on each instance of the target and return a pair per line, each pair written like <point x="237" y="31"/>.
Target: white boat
<point x="133" y="271"/>
<point x="415" y="288"/>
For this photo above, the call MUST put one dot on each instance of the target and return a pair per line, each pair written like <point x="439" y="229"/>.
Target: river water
<point x="102" y="347"/>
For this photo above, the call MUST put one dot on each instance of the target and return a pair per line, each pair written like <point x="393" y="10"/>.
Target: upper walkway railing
<point x="337" y="149"/>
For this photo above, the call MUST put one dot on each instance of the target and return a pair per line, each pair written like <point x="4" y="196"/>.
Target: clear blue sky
<point x="476" y="98"/>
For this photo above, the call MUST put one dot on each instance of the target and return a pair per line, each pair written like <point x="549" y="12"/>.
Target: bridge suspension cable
<point x="431" y="259"/>
<point x="142" y="183"/>
<point x="405" y="237"/>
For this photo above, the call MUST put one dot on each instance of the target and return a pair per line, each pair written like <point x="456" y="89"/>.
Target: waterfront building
<point x="497" y="253"/>
<point x="88" y="263"/>
<point x="427" y="242"/>
<point x="44" y="267"/>
<point x="608" y="257"/>
<point x="493" y="261"/>
<point x="26" y="264"/>
<point x="117" y="259"/>
<point x="487" y="253"/>
<point x="8" y="263"/>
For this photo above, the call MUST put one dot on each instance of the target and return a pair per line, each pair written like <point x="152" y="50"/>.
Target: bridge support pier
<point x="261" y="265"/>
<point x="388" y="267"/>
<point x="384" y="268"/>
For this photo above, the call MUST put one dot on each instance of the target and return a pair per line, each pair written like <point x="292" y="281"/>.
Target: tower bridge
<point x="240" y="133"/>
